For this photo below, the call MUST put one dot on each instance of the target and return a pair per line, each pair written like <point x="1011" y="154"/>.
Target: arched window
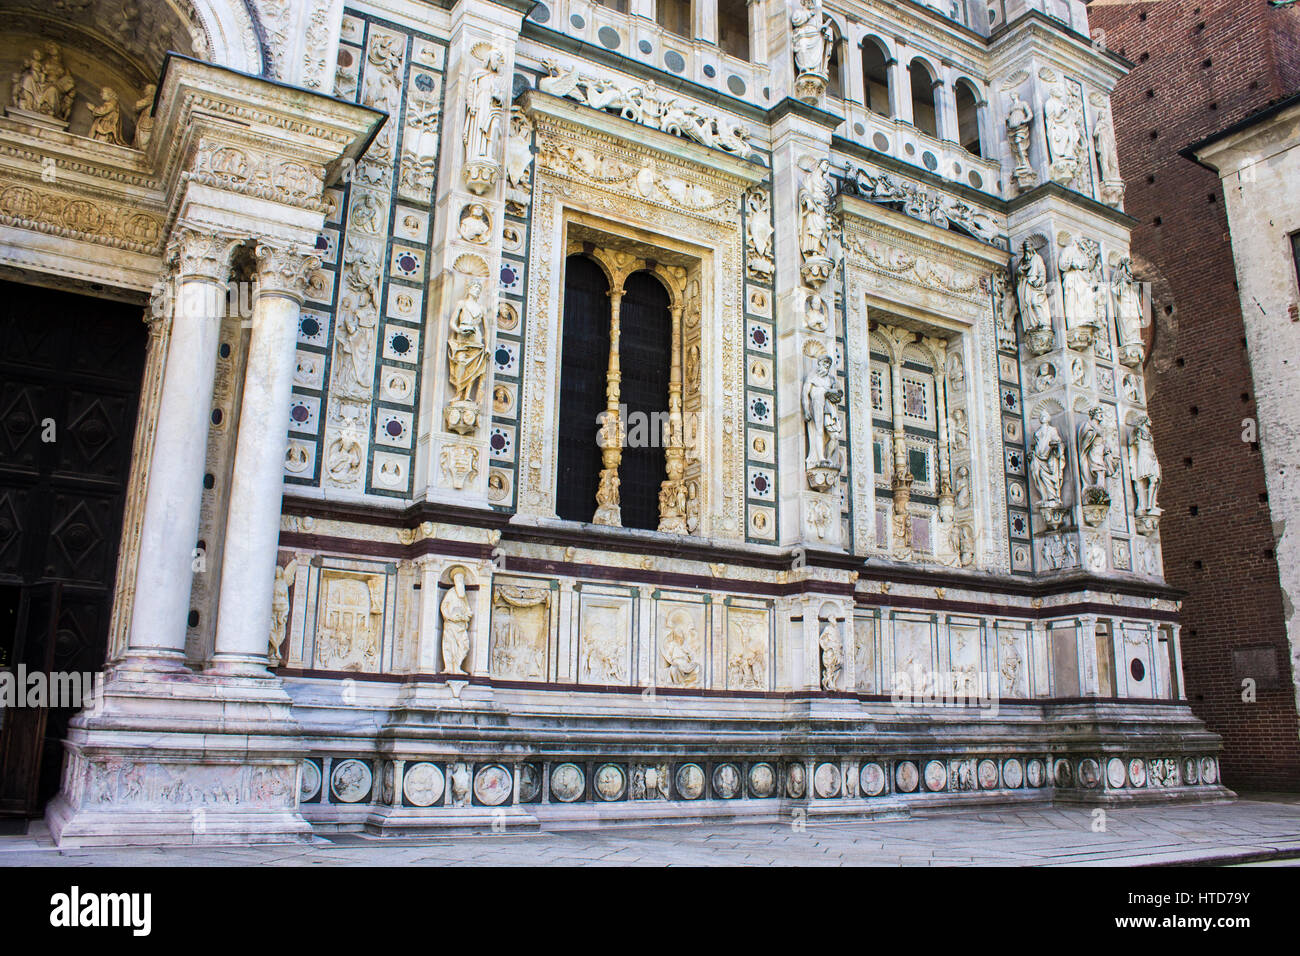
<point x="924" y="116"/>
<point x="733" y="28"/>
<point x="675" y="16"/>
<point x="835" y="63"/>
<point x="875" y="76"/>
<point x="584" y="366"/>
<point x="968" y="117"/>
<point x="645" y="354"/>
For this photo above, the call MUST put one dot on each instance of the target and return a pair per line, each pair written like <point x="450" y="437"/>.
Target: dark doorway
<point x="70" y="372"/>
<point x="645" y="353"/>
<point x="584" y="362"/>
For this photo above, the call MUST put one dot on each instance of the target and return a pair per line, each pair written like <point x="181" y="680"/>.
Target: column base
<point x="181" y="759"/>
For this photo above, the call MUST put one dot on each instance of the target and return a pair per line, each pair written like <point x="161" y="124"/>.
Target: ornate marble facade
<point x="906" y="473"/>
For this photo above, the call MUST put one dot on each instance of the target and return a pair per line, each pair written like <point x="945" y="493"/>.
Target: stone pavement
<point x="1265" y="829"/>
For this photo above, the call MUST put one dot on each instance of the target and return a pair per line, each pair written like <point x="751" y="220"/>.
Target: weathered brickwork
<point x="1200" y="66"/>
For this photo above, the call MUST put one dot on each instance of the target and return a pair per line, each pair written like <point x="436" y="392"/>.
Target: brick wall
<point x="1200" y="66"/>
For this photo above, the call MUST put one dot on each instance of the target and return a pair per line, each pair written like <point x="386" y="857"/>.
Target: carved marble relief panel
<point x="681" y="641"/>
<point x="915" y="653"/>
<point x="965" y="667"/>
<point x="522" y="628"/>
<point x="749" y="645"/>
<point x="351" y="609"/>
<point x="866" y="651"/>
<point x="1011" y="645"/>
<point x="605" y="621"/>
<point x="353" y="417"/>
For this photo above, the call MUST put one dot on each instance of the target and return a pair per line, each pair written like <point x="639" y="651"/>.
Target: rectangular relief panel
<point x="523" y="615"/>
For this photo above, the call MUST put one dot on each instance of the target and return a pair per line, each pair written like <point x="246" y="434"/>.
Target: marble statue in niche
<point x="1004" y="308"/>
<point x="1144" y="472"/>
<point x="106" y="119"/>
<point x="1128" y="313"/>
<point x="475" y="224"/>
<point x="1064" y="135"/>
<point x="815" y="220"/>
<point x="812" y="39"/>
<point x="1047" y="468"/>
<point x="466" y="362"/>
<point x="1020" y="123"/>
<point x="682" y="650"/>
<point x="520" y="630"/>
<point x="1078" y="264"/>
<point x="485" y="104"/>
<point x="44" y="86"/>
<point x="144" y="117"/>
<point x="758" y="235"/>
<point x="1098" y="460"/>
<point x="1035" y="304"/>
<point x="1112" y="183"/>
<point x="821" y="413"/>
<point x="457" y="615"/>
<point x="832" y="658"/>
<point x="815" y="317"/>
<point x="280" y="609"/>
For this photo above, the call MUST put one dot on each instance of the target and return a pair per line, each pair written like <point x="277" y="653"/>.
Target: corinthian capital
<point x="284" y="269"/>
<point x="194" y="252"/>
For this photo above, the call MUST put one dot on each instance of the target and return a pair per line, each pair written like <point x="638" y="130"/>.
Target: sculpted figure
<point x="144" y="117"/>
<point x="456" y="618"/>
<point x="682" y="667"/>
<point x="280" y="607"/>
<point x="1047" y="461"/>
<point x="821" y="398"/>
<point x="1107" y="155"/>
<point x="758" y="224"/>
<point x="1128" y="304"/>
<point x="1097" y="460"/>
<point x="1064" y="136"/>
<point x="1020" y="122"/>
<point x="44" y="85"/>
<point x="466" y="350"/>
<point x="1077" y="265"/>
<point x="106" y="122"/>
<point x="832" y="658"/>
<point x="1143" y="466"/>
<point x="812" y="38"/>
<point x="485" y="104"/>
<point x="814" y="223"/>
<point x="1031" y="289"/>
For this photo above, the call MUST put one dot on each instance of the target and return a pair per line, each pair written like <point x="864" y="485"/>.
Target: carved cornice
<point x="69" y="215"/>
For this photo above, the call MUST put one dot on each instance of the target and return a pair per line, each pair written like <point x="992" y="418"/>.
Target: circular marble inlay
<point x="1209" y="771"/>
<point x="690" y="781"/>
<point x="493" y="786"/>
<point x="310" y="326"/>
<point x="881" y="141"/>
<point x="567" y="782"/>
<point x="931" y="162"/>
<point x="609" y="37"/>
<point x="351" y="780"/>
<point x="909" y="149"/>
<point x="1089" y="773"/>
<point x="726" y="781"/>
<point x="674" y="61"/>
<point x="936" y="776"/>
<point x="1063" y="774"/>
<point x="906" y="777"/>
<point x="1137" y="772"/>
<point x="976" y="179"/>
<point x="1191" y="771"/>
<point x="1114" y="772"/>
<point x="1035" y="773"/>
<point x="987" y="774"/>
<point x="1137" y="669"/>
<point x="540" y="13"/>
<point x="310" y="785"/>
<point x="530" y="782"/>
<point x="796" y="780"/>
<point x="1013" y="774"/>
<point x="762" y="780"/>
<point x="646" y="47"/>
<point x="422" y="784"/>
<point x="872" y="778"/>
<point x="710" y="71"/>
<point x="577" y="21"/>
<point x="611" y="782"/>
<point x="827" y="780"/>
<point x="736" y="85"/>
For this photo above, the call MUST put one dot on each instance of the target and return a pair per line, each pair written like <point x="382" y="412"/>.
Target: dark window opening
<point x="584" y="366"/>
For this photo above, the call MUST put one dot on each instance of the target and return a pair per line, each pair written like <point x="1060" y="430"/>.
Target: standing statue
<point x="1064" y="136"/>
<point x="280" y="608"/>
<point x="1047" y="461"/>
<point x="485" y="104"/>
<point x="758" y="228"/>
<point x="1097" y="459"/>
<point x="456" y="618"/>
<point x="1144" y="467"/>
<point x="812" y="39"/>
<point x="1035" y="306"/>
<point x="815" y="221"/>
<point x="820" y="405"/>
<point x="1020" y="122"/>
<point x="1078" y="264"/>
<point x="106" y="119"/>
<point x="832" y="658"/>
<point x="1112" y="183"/>
<point x="144" y="117"/>
<point x="466" y="361"/>
<point x="1128" y="313"/>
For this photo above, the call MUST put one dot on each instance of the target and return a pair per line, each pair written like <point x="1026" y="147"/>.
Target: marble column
<point x="257" y="481"/>
<point x="608" y="511"/>
<point x="170" y="524"/>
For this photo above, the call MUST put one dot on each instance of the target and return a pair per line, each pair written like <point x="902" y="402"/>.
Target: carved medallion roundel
<point x="872" y="779"/>
<point x="422" y="784"/>
<point x="987" y="774"/>
<point x="1191" y="771"/>
<point x="1114" y="773"/>
<point x="493" y="786"/>
<point x="936" y="776"/>
<point x="906" y="777"/>
<point x="1035" y="772"/>
<point x="826" y="780"/>
<point x="690" y="781"/>
<point x="1013" y="774"/>
<point x="795" y="781"/>
<point x="567" y="782"/>
<point x="310" y="779"/>
<point x="1209" y="771"/>
<point x="1137" y="772"/>
<point x="530" y="782"/>
<point x="762" y="780"/>
<point x="611" y="782"/>
<point x="351" y="781"/>
<point x="726" y="781"/>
